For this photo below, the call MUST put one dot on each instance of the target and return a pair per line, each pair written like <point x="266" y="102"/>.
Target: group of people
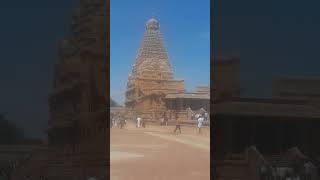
<point x="164" y="120"/>
<point x="201" y="116"/>
<point x="202" y="112"/>
<point x="118" y="121"/>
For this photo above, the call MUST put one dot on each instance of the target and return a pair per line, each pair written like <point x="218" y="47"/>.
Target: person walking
<point x="115" y="121"/>
<point x="189" y="113"/>
<point x="122" y="123"/>
<point x="143" y="123"/>
<point x="200" y="122"/>
<point x="166" y="120"/>
<point x="178" y="125"/>
<point x="206" y="116"/>
<point x="111" y="120"/>
<point x="197" y="116"/>
<point x="119" y="121"/>
<point x="138" y="122"/>
<point x="162" y="120"/>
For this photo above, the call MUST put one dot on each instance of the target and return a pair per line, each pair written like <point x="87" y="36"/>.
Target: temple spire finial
<point x="152" y="24"/>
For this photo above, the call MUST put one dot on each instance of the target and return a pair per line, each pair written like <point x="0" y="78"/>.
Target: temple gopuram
<point x="75" y="143"/>
<point x="152" y="88"/>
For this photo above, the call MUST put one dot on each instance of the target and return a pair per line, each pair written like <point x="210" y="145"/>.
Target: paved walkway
<point x="156" y="153"/>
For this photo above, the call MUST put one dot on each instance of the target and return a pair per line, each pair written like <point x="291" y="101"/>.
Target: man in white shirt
<point x="138" y="122"/>
<point x="200" y="121"/>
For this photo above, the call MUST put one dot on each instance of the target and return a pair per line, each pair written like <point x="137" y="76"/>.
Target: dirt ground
<point x="156" y="153"/>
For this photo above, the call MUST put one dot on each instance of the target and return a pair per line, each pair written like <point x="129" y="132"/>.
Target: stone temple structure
<point x="152" y="88"/>
<point x="152" y="77"/>
<point x="76" y="142"/>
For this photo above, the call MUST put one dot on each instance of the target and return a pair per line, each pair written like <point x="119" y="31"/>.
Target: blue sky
<point x="186" y="29"/>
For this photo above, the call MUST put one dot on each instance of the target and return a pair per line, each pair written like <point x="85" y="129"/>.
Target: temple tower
<point x="152" y="76"/>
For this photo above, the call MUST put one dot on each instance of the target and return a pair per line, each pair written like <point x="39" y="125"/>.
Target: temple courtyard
<point x="157" y="153"/>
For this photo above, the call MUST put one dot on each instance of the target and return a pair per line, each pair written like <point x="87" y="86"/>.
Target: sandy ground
<point x="156" y="153"/>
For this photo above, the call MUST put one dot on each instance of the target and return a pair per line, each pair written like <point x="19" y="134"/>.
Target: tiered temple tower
<point x="77" y="144"/>
<point x="78" y="125"/>
<point x="151" y="77"/>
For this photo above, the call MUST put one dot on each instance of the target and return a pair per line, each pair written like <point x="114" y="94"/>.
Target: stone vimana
<point x="152" y="88"/>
